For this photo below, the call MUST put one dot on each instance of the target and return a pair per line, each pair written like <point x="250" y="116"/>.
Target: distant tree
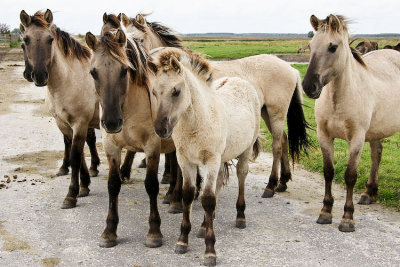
<point x="4" y="28"/>
<point x="310" y="34"/>
<point x="16" y="30"/>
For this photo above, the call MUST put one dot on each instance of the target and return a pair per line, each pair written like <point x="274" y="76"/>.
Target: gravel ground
<point x="280" y="231"/>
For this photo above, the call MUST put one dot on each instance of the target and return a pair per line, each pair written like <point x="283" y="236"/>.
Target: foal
<point x="357" y="101"/>
<point x="61" y="63"/>
<point x="209" y="127"/>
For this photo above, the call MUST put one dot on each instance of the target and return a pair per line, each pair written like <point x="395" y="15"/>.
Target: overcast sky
<point x="200" y="16"/>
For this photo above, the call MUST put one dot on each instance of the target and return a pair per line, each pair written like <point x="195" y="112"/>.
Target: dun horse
<point x="90" y="138"/>
<point x="60" y="62"/>
<point x="121" y="79"/>
<point x="209" y="127"/>
<point x="357" y="101"/>
<point x="278" y="86"/>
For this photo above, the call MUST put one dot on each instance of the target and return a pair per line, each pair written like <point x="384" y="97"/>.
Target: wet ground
<point x="280" y="231"/>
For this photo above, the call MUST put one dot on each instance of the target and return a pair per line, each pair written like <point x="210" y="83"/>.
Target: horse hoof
<point x="175" y="208"/>
<point x="165" y="178"/>
<point x="210" y="261"/>
<point x="108" y="243"/>
<point x="142" y="164"/>
<point x="201" y="233"/>
<point x="93" y="173"/>
<point x="347" y="226"/>
<point x="68" y="203"/>
<point x="62" y="172"/>
<point x="167" y="199"/>
<point x="268" y="193"/>
<point x="324" y="219"/>
<point x="364" y="200"/>
<point x="153" y="242"/>
<point x="181" y="249"/>
<point x="281" y="187"/>
<point x="241" y="224"/>
<point x="83" y="192"/>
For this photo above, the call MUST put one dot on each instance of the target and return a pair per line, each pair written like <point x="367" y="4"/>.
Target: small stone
<point x="287" y="202"/>
<point x="8" y="180"/>
<point x="32" y="183"/>
<point x="17" y="169"/>
<point x="260" y="202"/>
<point x="6" y="176"/>
<point x="2" y="185"/>
<point x="15" y="176"/>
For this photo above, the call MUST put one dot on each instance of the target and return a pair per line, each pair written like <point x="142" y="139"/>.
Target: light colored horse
<point x="61" y="63"/>
<point x="278" y="87"/>
<point x="121" y="78"/>
<point x="357" y="101"/>
<point x="209" y="127"/>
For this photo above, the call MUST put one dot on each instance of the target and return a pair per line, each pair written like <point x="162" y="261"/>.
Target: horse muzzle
<point x="40" y="78"/>
<point x="112" y="126"/>
<point x="312" y="86"/>
<point x="164" y="128"/>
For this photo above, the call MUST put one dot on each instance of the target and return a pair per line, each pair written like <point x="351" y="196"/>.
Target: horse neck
<point x="155" y="40"/>
<point x="343" y="84"/>
<point x="199" y="111"/>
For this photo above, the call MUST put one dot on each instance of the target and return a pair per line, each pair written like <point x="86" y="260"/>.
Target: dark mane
<point x="114" y="21"/>
<point x="197" y="62"/>
<point x="357" y="56"/>
<point x="68" y="45"/>
<point x="166" y="34"/>
<point x="132" y="53"/>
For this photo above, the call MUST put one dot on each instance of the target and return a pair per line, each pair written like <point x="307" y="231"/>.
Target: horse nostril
<point x="120" y="121"/>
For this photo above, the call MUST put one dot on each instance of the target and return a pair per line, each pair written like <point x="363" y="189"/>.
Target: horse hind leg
<point x="242" y="169"/>
<point x="285" y="166"/>
<point x="64" y="169"/>
<point x="371" y="190"/>
<point x="85" y="178"/>
<point x="95" y="160"/>
<point x="126" y="167"/>
<point x="167" y="167"/>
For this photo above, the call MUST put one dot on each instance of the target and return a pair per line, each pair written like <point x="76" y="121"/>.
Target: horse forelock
<point x="113" y="20"/>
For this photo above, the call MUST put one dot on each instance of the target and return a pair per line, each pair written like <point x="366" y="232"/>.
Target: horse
<point x="121" y="79"/>
<point x="61" y="63"/>
<point x="395" y="47"/>
<point x="356" y="99"/>
<point x="366" y="47"/>
<point x="303" y="49"/>
<point x="90" y="138"/>
<point x="278" y="86"/>
<point x="211" y="123"/>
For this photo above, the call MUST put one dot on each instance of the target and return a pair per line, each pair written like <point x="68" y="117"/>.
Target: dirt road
<point x="280" y="231"/>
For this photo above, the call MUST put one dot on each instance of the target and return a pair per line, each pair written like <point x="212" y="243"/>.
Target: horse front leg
<point x="84" y="177"/>
<point x="78" y="142"/>
<point x="371" y="190"/>
<point x="64" y="169"/>
<point x="154" y="236"/>
<point x="167" y="167"/>
<point x="350" y="176"/>
<point x="176" y="196"/>
<point x="188" y="190"/>
<point x="127" y="165"/>
<point x="95" y="160"/>
<point x="327" y="148"/>
<point x="109" y="236"/>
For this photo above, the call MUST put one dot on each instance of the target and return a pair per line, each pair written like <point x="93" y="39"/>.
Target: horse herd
<point x="150" y="94"/>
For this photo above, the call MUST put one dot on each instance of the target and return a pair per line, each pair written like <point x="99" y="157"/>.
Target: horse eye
<point x="332" y="48"/>
<point x="26" y="40"/>
<point x="124" y="72"/>
<point x="51" y="39"/>
<point x="93" y="72"/>
<point x="176" y="92"/>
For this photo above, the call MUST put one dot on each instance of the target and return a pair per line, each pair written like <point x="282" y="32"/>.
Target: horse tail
<point x="257" y="147"/>
<point x="297" y="124"/>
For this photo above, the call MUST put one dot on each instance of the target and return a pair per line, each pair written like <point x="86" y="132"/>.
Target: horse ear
<point x="334" y="22"/>
<point x="25" y="18"/>
<point x="175" y="64"/>
<point x="21" y="28"/>
<point x="125" y="19"/>
<point x="48" y="16"/>
<point x="91" y="41"/>
<point x="140" y="19"/>
<point x="314" y="22"/>
<point x="152" y="66"/>
<point x="121" y="38"/>
<point x="105" y="17"/>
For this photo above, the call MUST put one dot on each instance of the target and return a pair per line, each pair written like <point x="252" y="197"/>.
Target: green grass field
<point x="230" y="48"/>
<point x="389" y="173"/>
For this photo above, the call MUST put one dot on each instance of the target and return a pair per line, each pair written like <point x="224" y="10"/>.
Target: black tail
<point x="297" y="126"/>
